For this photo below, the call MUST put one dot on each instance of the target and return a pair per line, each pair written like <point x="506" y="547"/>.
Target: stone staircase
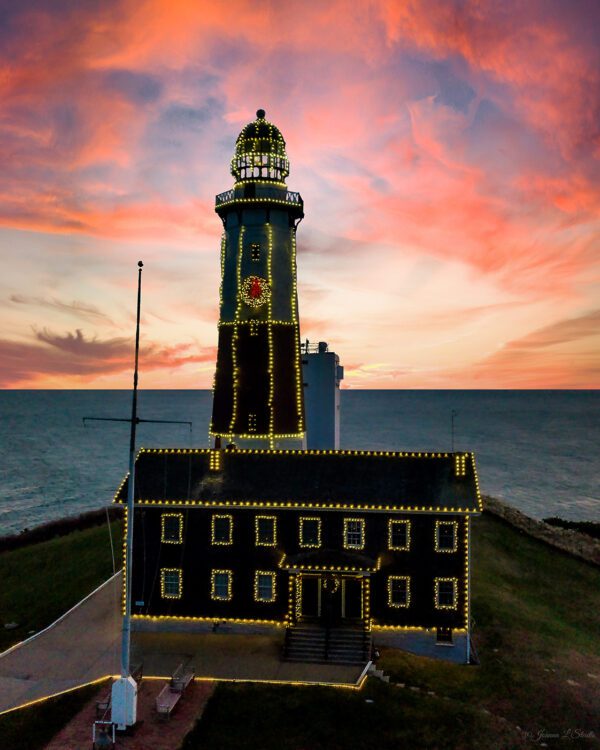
<point x="314" y="643"/>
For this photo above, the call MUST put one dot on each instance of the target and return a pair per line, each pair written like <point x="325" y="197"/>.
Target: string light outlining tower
<point x="258" y="398"/>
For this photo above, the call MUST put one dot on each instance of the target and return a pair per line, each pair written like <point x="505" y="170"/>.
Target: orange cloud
<point x="79" y="360"/>
<point x="465" y="134"/>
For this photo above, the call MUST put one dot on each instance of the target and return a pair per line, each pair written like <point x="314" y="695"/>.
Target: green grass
<point x="537" y="614"/>
<point x="33" y="727"/>
<point x="537" y="620"/>
<point x="42" y="581"/>
<point x="537" y="625"/>
<point x="257" y="717"/>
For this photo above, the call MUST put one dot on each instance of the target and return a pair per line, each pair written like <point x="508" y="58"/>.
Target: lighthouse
<point x="258" y="392"/>
<point x="328" y="551"/>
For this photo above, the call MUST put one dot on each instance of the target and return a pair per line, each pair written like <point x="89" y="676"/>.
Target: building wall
<point x="321" y="376"/>
<point x="424" y="643"/>
<point x="258" y="380"/>
<point x="196" y="557"/>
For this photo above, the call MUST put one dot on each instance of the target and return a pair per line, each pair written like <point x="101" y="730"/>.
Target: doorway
<point x="330" y="599"/>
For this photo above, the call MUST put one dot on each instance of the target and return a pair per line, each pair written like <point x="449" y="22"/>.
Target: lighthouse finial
<point x="260" y="114"/>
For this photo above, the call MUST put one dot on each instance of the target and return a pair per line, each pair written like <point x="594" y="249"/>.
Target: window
<point x="446" y="536"/>
<point x="251" y="420"/>
<point x="255" y="251"/>
<point x="446" y="593"/>
<point x="220" y="585"/>
<point x="310" y="532"/>
<point x="221" y="531"/>
<point x="354" y="533"/>
<point x="265" y="531"/>
<point x="171" y="528"/>
<point x="398" y="591"/>
<point x="171" y="584"/>
<point x="398" y="534"/>
<point x="264" y="586"/>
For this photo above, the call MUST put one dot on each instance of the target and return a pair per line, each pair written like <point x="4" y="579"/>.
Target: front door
<point x="352" y="598"/>
<point x="330" y="598"/>
<point x="310" y="596"/>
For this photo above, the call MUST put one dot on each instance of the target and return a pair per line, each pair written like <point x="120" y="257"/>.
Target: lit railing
<point x="229" y="195"/>
<point x="225" y="197"/>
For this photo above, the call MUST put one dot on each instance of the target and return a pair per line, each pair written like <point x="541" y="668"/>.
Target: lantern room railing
<point x="290" y="197"/>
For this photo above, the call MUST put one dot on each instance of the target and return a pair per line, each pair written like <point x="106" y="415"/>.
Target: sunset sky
<point x="448" y="154"/>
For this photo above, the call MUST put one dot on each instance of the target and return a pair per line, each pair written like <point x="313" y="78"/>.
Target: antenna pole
<point x="126" y="636"/>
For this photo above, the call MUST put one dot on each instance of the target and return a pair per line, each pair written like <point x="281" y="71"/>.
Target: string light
<point x="366" y="603"/>
<point x="166" y="534"/>
<point x="358" y="528"/>
<point x="217" y="537"/>
<point x="255" y="291"/>
<point x="393" y="526"/>
<point x="441" y="528"/>
<point x="171" y="583"/>
<point x="265" y="531"/>
<point x="302" y="541"/>
<point x="467" y="579"/>
<point x="215" y="460"/>
<point x="398" y="586"/>
<point x="216" y="581"/>
<point x="272" y="588"/>
<point x="436" y="599"/>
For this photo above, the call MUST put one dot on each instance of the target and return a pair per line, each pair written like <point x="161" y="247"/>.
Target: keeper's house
<point x="351" y="544"/>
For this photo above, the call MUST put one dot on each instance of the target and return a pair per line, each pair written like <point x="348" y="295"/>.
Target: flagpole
<point x="126" y="635"/>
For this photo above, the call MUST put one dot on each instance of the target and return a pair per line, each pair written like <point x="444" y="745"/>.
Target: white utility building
<point x="321" y="374"/>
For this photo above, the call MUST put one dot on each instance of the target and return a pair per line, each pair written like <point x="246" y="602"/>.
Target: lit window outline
<point x="163" y="583"/>
<point x="163" y="518"/>
<point x="361" y="544"/>
<point x="213" y="593"/>
<point x="273" y="576"/>
<point x="221" y="516"/>
<point x="436" y="596"/>
<point x="301" y="542"/>
<point x="255" y="251"/>
<point x="436" y="536"/>
<point x="257" y="541"/>
<point x="391" y="522"/>
<point x="390" y="583"/>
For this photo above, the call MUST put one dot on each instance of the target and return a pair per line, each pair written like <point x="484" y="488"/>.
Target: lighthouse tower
<point x="258" y="399"/>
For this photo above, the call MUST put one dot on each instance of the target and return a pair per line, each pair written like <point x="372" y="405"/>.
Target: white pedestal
<point x="124" y="702"/>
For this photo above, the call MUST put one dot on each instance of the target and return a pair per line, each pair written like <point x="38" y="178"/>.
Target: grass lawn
<point x="42" y="581"/>
<point x="305" y="718"/>
<point x="33" y="727"/>
<point x="537" y="632"/>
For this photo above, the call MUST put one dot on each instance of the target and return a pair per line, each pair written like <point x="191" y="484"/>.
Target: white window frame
<point x="347" y="531"/>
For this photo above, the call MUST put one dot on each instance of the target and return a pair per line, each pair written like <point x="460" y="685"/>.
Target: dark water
<point x="536" y="449"/>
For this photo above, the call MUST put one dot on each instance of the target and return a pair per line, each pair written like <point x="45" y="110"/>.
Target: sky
<point x="448" y="155"/>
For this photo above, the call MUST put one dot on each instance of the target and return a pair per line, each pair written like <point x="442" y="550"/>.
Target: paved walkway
<point x="232" y="656"/>
<point x="82" y="646"/>
<point x="151" y="732"/>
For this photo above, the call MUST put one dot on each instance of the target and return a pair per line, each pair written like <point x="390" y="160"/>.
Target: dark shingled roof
<point x="397" y="481"/>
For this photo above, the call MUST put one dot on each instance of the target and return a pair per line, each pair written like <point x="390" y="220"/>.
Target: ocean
<point x="538" y="450"/>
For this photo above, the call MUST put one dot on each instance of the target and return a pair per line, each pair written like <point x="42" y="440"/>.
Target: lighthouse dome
<point x="260" y="152"/>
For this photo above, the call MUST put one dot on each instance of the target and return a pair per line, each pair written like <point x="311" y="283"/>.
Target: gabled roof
<point x="312" y="479"/>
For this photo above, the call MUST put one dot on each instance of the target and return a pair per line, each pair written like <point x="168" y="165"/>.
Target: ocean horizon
<point x="535" y="449"/>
